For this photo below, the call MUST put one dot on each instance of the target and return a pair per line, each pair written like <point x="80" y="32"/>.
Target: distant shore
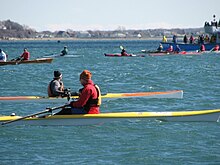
<point x="69" y="39"/>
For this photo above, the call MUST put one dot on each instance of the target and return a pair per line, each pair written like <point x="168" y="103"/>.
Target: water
<point x="130" y="142"/>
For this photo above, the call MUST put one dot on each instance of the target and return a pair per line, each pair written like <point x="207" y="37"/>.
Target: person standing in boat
<point x="24" y="56"/>
<point x="89" y="99"/>
<point x="64" y="51"/>
<point x="174" y="39"/>
<point x="3" y="56"/>
<point x="185" y="39"/>
<point x="191" y="39"/>
<point x="164" y="39"/>
<point x="56" y="86"/>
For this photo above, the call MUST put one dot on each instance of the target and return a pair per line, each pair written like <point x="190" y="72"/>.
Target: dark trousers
<point x="71" y="111"/>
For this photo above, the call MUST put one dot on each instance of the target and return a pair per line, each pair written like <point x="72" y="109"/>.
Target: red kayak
<point x="171" y="54"/>
<point x="119" y="55"/>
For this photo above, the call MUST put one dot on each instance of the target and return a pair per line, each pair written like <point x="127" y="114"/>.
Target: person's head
<point x="0" y="50"/>
<point x="85" y="76"/>
<point x="65" y="47"/>
<point x="57" y="74"/>
<point x="25" y="49"/>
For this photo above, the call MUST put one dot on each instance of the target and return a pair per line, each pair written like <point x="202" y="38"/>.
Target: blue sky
<point x="109" y="15"/>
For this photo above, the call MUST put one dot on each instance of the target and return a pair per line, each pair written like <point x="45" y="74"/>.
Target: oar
<point x="19" y="61"/>
<point x="211" y="50"/>
<point x="31" y="115"/>
<point x="15" y="58"/>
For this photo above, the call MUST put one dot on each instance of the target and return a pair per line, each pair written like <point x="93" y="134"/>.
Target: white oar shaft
<point x="31" y="115"/>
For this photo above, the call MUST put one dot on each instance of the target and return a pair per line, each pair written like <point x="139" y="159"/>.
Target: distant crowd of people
<point x="202" y="39"/>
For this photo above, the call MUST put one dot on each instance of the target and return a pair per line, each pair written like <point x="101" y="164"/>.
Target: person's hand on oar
<point x="47" y="110"/>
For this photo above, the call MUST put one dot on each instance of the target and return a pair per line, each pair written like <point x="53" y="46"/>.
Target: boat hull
<point x="91" y="119"/>
<point x="163" y="94"/>
<point x="183" y="53"/>
<point x="119" y="55"/>
<point x="36" y="61"/>
<point x="188" y="47"/>
<point x="65" y="56"/>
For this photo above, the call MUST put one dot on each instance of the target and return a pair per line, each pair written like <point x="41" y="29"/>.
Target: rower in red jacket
<point x="25" y="55"/>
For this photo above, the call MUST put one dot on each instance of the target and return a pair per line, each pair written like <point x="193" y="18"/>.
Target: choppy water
<point x="130" y="142"/>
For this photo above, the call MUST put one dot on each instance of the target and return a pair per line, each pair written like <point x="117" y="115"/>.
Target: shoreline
<point x="80" y="39"/>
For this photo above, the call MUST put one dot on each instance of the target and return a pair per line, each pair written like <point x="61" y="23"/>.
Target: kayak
<point x="65" y="56"/>
<point x="91" y="119"/>
<point x="119" y="55"/>
<point x="164" y="94"/>
<point x="171" y="54"/>
<point x="37" y="61"/>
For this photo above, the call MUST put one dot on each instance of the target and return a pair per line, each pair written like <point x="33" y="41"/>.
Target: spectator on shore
<point x="174" y="39"/>
<point x="191" y="39"/>
<point x="207" y="39"/>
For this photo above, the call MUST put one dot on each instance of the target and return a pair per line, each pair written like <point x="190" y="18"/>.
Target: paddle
<point x="121" y="47"/>
<point x="14" y="59"/>
<point x="31" y="115"/>
<point x="19" y="60"/>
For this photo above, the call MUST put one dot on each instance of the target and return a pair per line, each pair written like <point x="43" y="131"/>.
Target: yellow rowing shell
<point x="90" y="119"/>
<point x="163" y="94"/>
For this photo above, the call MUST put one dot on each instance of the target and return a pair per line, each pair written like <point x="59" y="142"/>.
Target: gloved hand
<point x="67" y="92"/>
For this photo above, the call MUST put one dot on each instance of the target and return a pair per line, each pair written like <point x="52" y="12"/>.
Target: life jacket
<point x="50" y="91"/>
<point x="26" y="56"/>
<point x="202" y="48"/>
<point x="94" y="102"/>
<point x="216" y="48"/>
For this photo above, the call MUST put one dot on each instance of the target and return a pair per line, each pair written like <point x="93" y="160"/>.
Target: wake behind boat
<point x="35" y="61"/>
<point x="162" y="94"/>
<point x="91" y="119"/>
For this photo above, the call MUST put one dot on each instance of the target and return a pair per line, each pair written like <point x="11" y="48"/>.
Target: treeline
<point x="10" y="29"/>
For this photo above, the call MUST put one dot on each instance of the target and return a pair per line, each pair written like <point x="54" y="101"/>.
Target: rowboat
<point x="163" y="94"/>
<point x="119" y="55"/>
<point x="91" y="119"/>
<point x="37" y="61"/>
